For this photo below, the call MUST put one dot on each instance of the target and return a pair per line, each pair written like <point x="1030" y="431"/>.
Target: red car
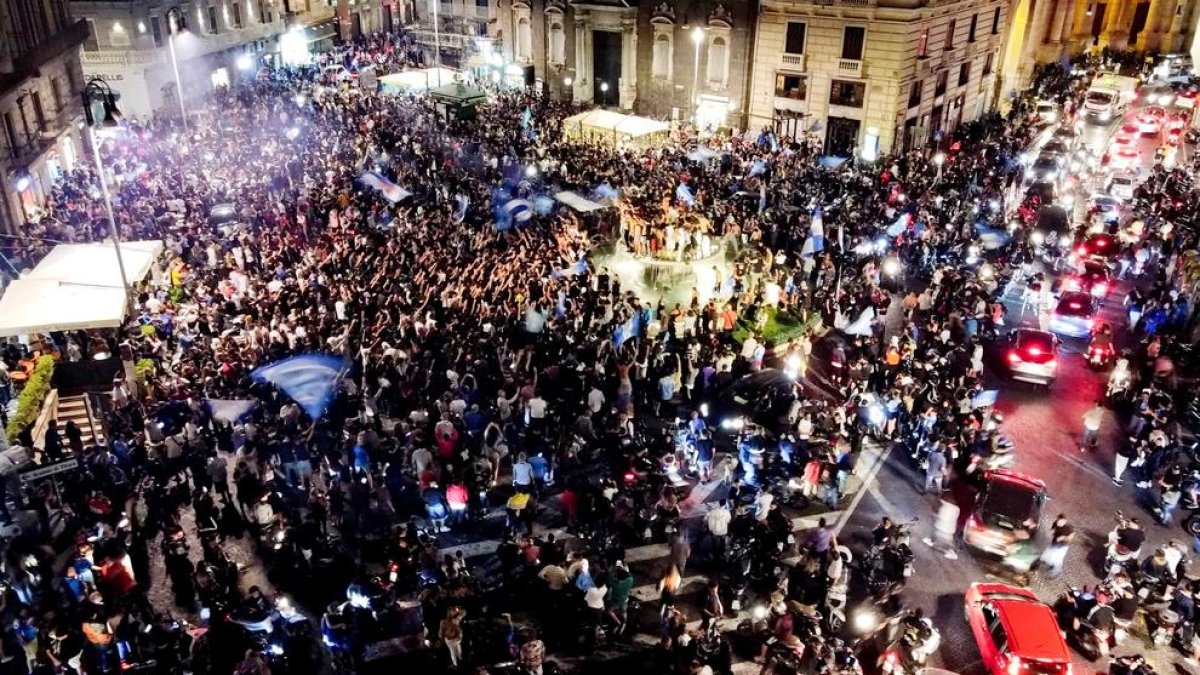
<point x="1016" y="633"/>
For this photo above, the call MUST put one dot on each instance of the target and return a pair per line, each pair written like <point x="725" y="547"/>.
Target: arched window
<point x="524" y="40"/>
<point x="718" y="61"/>
<point x="558" y="43"/>
<point x="662" y="57"/>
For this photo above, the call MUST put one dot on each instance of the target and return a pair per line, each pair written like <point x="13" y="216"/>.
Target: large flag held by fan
<point x="310" y="380"/>
<point x="230" y="411"/>
<point x="574" y="270"/>
<point x="460" y="212"/>
<point x="390" y="191"/>
<point x="684" y="194"/>
<point x="514" y="212"/>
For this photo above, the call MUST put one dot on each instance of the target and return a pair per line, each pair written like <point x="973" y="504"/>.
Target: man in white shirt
<point x="537" y="411"/>
<point x="717" y="521"/>
<point x="522" y="475"/>
<point x="595" y="400"/>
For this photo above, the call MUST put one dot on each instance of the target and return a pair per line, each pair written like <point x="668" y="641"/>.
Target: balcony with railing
<point x="850" y="67"/>
<point x="451" y="40"/>
<point x="794" y="61"/>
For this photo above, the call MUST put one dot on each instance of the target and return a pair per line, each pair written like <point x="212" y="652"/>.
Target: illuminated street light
<point x="176" y="22"/>
<point x="244" y="62"/>
<point x="939" y="159"/>
<point x="98" y="89"/>
<point x="567" y="81"/>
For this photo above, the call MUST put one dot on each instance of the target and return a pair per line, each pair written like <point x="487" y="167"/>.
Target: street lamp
<point x="939" y="159"/>
<point x="437" y="41"/>
<point x="697" y="38"/>
<point x="98" y="89"/>
<point x="567" y="81"/>
<point x="603" y="93"/>
<point x="176" y="21"/>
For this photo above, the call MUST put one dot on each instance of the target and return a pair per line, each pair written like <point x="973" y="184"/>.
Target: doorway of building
<point x="606" y="66"/>
<point x="1140" y="13"/>
<point x="1098" y="21"/>
<point x="842" y="136"/>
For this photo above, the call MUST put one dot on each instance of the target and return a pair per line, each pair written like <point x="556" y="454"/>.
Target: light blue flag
<point x="543" y="205"/>
<point x="897" y="228"/>
<point x="310" y="380"/>
<point x="762" y="196"/>
<point x="515" y="212"/>
<point x="574" y="270"/>
<point x="560" y="307"/>
<point x="390" y="191"/>
<point x="460" y="213"/>
<point x="684" y="194"/>
<point x="985" y="398"/>
<point x="527" y="118"/>
<point x="605" y="191"/>
<point x="758" y="167"/>
<point x="622" y="333"/>
<point x="230" y="411"/>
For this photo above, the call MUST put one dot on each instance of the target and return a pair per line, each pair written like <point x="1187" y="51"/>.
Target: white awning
<point x="600" y="120"/>
<point x="578" y="203"/>
<point x="44" y="305"/>
<point x="417" y="80"/>
<point x="96" y="264"/>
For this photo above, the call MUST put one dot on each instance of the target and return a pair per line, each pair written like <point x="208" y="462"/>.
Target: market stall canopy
<point x="96" y="264"/>
<point x="614" y="127"/>
<point x="458" y="93"/>
<point x="44" y="305"/>
<point x="420" y="79"/>
<point x="580" y="204"/>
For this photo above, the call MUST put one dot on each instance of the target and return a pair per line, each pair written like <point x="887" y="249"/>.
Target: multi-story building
<point x="215" y="41"/>
<point x="874" y="76"/>
<point x="673" y="59"/>
<point x="40" y="83"/>
<point x="1043" y="31"/>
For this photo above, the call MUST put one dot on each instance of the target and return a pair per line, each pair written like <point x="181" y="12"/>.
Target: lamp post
<point x="99" y="89"/>
<point x="176" y="21"/>
<point x="697" y="38"/>
<point x="437" y="41"/>
<point x="938" y="160"/>
<point x="603" y="94"/>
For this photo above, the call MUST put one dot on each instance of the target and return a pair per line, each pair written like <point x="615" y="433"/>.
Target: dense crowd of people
<point x="491" y="366"/>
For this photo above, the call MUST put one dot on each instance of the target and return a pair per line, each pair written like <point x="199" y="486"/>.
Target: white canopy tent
<point x="417" y="80"/>
<point x="96" y="264"/>
<point x="617" y="128"/>
<point x="44" y="305"/>
<point x="75" y="287"/>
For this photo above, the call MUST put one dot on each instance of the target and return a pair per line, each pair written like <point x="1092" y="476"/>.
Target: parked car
<point x="1016" y="633"/>
<point x="1009" y="501"/>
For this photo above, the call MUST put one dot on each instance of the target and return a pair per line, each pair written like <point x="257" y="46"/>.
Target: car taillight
<point x="1014" y="357"/>
<point x="1014" y="665"/>
<point x="1052" y="363"/>
<point x="1035" y="351"/>
<point x="1101" y="288"/>
<point x="1082" y="251"/>
<point x="1075" y="305"/>
<point x="630" y="476"/>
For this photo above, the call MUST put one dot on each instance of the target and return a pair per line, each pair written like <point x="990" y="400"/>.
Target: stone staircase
<point x="78" y="409"/>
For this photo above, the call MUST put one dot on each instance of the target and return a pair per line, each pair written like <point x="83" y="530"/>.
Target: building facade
<point x="40" y="84"/>
<point x="671" y="59"/>
<point x="870" y="77"/>
<point x="1044" y="31"/>
<point x="216" y="42"/>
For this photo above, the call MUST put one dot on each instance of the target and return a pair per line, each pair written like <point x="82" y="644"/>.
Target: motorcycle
<point x="1100" y="356"/>
<point x="1119" y="558"/>
<point x="1120" y="381"/>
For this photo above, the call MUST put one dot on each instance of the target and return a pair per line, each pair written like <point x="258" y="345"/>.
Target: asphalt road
<point x="1045" y="428"/>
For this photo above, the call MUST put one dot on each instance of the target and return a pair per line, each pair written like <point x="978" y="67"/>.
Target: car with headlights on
<point x="1045" y="169"/>
<point x="1074" y="316"/>
<point x="1010" y="501"/>
<point x="1031" y="356"/>
<point x="1016" y="633"/>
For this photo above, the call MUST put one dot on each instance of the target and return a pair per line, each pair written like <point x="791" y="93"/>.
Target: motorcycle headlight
<point x="865" y="622"/>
